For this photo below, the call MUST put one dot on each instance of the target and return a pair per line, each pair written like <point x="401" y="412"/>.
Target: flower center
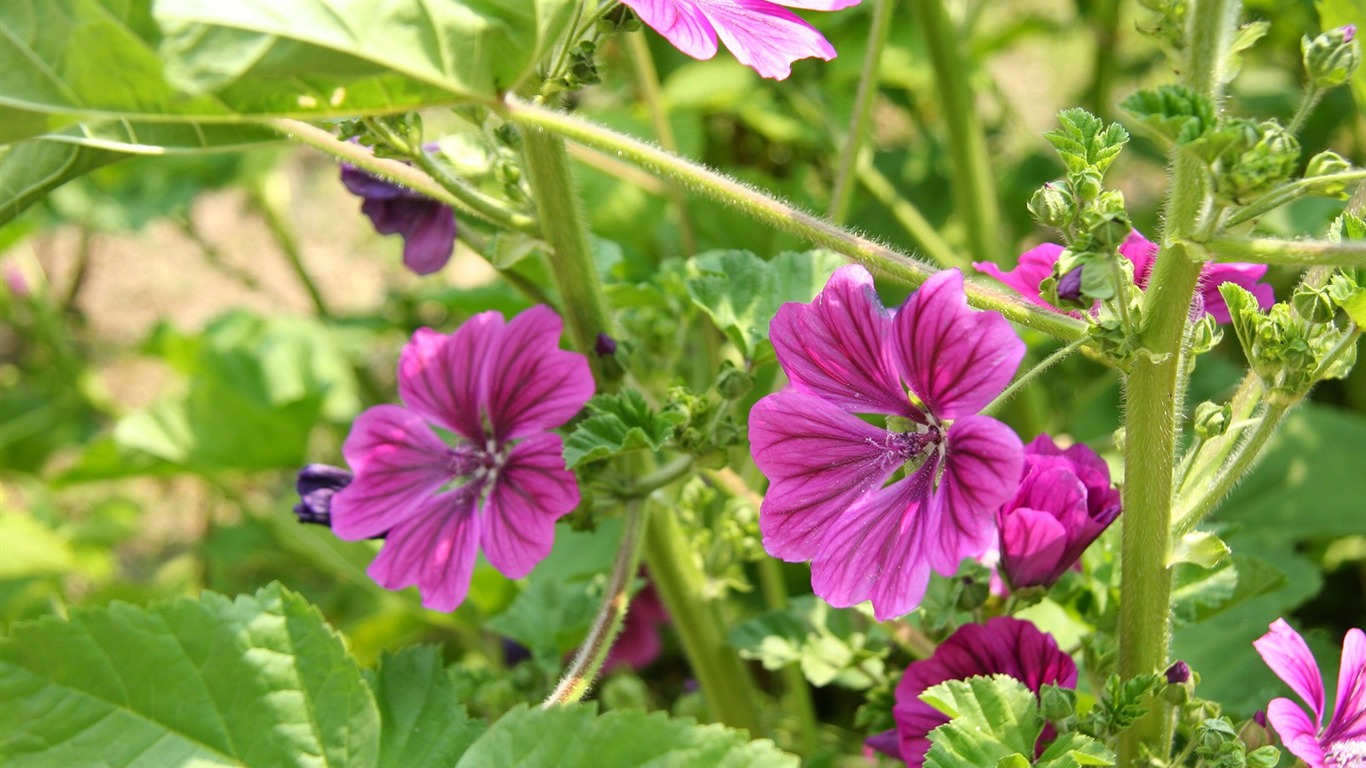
<point x="1348" y="753"/>
<point x="480" y="465"/>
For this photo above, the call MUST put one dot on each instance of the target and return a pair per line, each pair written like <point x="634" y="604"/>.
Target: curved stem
<point x="1056" y="357"/>
<point x="647" y="78"/>
<point x="1312" y="95"/>
<point x="847" y="171"/>
<point x="784" y="217"/>
<point x="1297" y="253"/>
<point x="910" y="218"/>
<point x="587" y="663"/>
<point x="1289" y="192"/>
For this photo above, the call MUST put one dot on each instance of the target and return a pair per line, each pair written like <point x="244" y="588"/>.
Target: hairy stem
<point x="1297" y="253"/>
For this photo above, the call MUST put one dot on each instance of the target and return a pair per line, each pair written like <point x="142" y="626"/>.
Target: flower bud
<point x="316" y="484"/>
<point x="1327" y="163"/>
<point x="1086" y="185"/>
<point x="1270" y="161"/>
<point x="1254" y="733"/>
<point x="1313" y="304"/>
<point x="1263" y="757"/>
<point x="733" y="383"/>
<point x="1052" y="207"/>
<point x="1057" y="703"/>
<point x="1332" y="57"/>
<point x="1205" y="332"/>
<point x="1180" y="686"/>
<point x="1211" y="419"/>
<point x="1108" y="228"/>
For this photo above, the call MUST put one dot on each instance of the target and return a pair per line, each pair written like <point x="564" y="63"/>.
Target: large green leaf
<point x="424" y="722"/>
<point x="576" y="736"/>
<point x="258" y="681"/>
<point x="990" y="719"/>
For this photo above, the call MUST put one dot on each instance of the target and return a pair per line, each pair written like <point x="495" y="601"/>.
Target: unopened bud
<point x="1253" y="733"/>
<point x="1205" y="332"/>
<point x="1332" y="57"/>
<point x="1270" y="161"/>
<point x="1263" y="757"/>
<point x="1211" y="420"/>
<point x="1052" y="207"/>
<point x="1327" y="163"/>
<point x="1313" y="304"/>
<point x="733" y="383"/>
<point x="1086" y="185"/>
<point x="605" y="346"/>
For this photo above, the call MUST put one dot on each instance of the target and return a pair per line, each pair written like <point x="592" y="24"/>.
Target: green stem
<point x="1056" y="357"/>
<point x="1154" y="398"/>
<point x="847" y="170"/>
<point x="571" y="261"/>
<point x="646" y="484"/>
<point x="271" y="196"/>
<point x="587" y="663"/>
<point x="910" y="218"/>
<point x="1288" y="193"/>
<point x="1312" y="95"/>
<point x="724" y="679"/>
<point x="647" y="78"/>
<point x="974" y="190"/>
<point x="784" y="217"/>
<point x="1296" y="253"/>
<point x="1190" y="511"/>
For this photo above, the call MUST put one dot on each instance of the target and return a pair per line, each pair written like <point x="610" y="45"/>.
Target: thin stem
<point x="974" y="190"/>
<point x="1289" y="192"/>
<point x="1190" y="511"/>
<point x="270" y="197"/>
<point x="647" y="79"/>
<point x="784" y="217"/>
<point x="84" y="251"/>
<point x="587" y="663"/>
<point x="1056" y="357"/>
<point x="1297" y="253"/>
<point x="846" y="172"/>
<point x="1312" y="95"/>
<point x="646" y="484"/>
<point x="910" y="218"/>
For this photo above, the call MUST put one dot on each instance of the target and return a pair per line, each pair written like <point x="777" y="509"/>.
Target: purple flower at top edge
<point x="1064" y="501"/>
<point x="1037" y="264"/>
<point x="828" y="501"/>
<point x="498" y="387"/>
<point x="1003" y="645"/>
<point x="639" y="642"/>
<point x="763" y="35"/>
<point x="1342" y="742"/>
<point x="427" y="226"/>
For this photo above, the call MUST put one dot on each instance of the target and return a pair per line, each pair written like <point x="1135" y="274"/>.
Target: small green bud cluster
<point x="1218" y="746"/>
<point x="1332" y="57"/>
<point x="1261" y="156"/>
<point x="704" y="425"/>
<point x="1166" y="25"/>
<point x="1211" y="419"/>
<point x="582" y="67"/>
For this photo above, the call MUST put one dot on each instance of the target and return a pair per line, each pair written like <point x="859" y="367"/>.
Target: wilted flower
<point x="499" y="487"/>
<point x="427" y="227"/>
<point x="829" y="501"/>
<point x="1063" y="503"/>
<point x="1340" y="744"/>
<point x="763" y="35"/>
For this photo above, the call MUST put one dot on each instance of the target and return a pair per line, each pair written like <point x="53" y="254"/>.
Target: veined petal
<point x="1034" y="265"/>
<point x="533" y="385"/>
<point x="954" y="358"/>
<point x="1298" y="734"/>
<point x="817" y="5"/>
<point x="1288" y="656"/>
<point x="398" y="463"/>
<point x="1349" y="713"/>
<point x="531" y="492"/>
<point x="981" y="471"/>
<point x="836" y="346"/>
<point x="428" y="236"/>
<point x="444" y="377"/>
<point x="435" y="550"/>
<point x="819" y="460"/>
<point x="765" y="36"/>
<point x="681" y="22"/>
<point x="1032" y="546"/>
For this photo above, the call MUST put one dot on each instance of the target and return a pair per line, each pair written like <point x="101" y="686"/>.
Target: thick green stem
<point x="571" y="261"/>
<point x="725" y="681"/>
<point x="974" y="191"/>
<point x="647" y="79"/>
<point x="616" y="600"/>
<point x="1154" y="398"/>
<point x="1295" y="253"/>
<point x="846" y="173"/>
<point x="784" y="217"/>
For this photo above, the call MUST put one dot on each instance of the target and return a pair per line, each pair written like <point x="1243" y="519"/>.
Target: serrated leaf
<point x="991" y="718"/>
<point x="621" y="422"/>
<point x="1171" y="112"/>
<point x="423" y="722"/>
<point x="1084" y="141"/>
<point x="831" y="646"/>
<point x="741" y="292"/>
<point x="576" y="736"/>
<point x="1073" y="750"/>
<point x="257" y="681"/>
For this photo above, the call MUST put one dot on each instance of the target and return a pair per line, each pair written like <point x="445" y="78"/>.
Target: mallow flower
<point x="498" y="485"/>
<point x="929" y="368"/>
<point x="1037" y="263"/>
<point x="427" y="226"/>
<point x="763" y="35"/>
<point x="1001" y="646"/>
<point x="1064" y="501"/>
<point x="1342" y="742"/>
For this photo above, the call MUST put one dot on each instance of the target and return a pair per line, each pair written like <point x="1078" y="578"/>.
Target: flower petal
<point x="444" y="377"/>
<point x="1244" y="275"/>
<point x="1142" y="253"/>
<point x="531" y="492"/>
<point x="681" y="22"/>
<point x="819" y="460"/>
<point x="836" y="346"/>
<point x="398" y="463"/>
<point x="1032" y="546"/>
<point x="955" y="358"/>
<point x="435" y="550"/>
<point x="1288" y="656"/>
<point x="764" y="36"/>
<point x="1298" y="734"/>
<point x="1349" y="713"/>
<point x="428" y="237"/>
<point x="1034" y="265"/>
<point x="981" y="471"/>
<point x="534" y="385"/>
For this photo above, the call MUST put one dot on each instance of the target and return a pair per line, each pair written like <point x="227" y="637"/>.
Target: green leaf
<point x="1084" y="141"/>
<point x="423" y="722"/>
<point x="1171" y="112"/>
<point x="832" y="646"/>
<point x="621" y="422"/>
<point x="257" y="681"/>
<point x="1198" y="594"/>
<point x="31" y="548"/>
<point x="741" y="292"/>
<point x="1073" y="750"/>
<point x="991" y="718"/>
<point x="576" y="736"/>
<point x="1199" y="547"/>
<point x="549" y="617"/>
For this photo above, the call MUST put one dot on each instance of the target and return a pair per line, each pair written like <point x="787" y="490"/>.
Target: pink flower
<point x="499" y="486"/>
<point x="829" y="501"/>
<point x="1064" y="502"/>
<point x="1342" y="743"/>
<point x="763" y="35"/>
<point x="1002" y="646"/>
<point x="1037" y="264"/>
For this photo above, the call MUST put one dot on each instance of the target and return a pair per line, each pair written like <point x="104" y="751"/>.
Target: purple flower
<point x="497" y="387"/>
<point x="1342" y="743"/>
<point x="763" y="35"/>
<point x="1037" y="264"/>
<point x="1002" y="646"/>
<point x="829" y="501"/>
<point x="1064" y="502"/>
<point x="427" y="227"/>
<point x="317" y="484"/>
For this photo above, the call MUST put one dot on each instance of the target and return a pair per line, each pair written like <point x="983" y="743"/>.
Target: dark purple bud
<point x="1349" y="32"/>
<point x="1069" y="286"/>
<point x="1178" y="673"/>
<point x="317" y="483"/>
<point x="1259" y="717"/>
<point x="514" y="652"/>
<point x="606" y="346"/>
<point x="887" y="743"/>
